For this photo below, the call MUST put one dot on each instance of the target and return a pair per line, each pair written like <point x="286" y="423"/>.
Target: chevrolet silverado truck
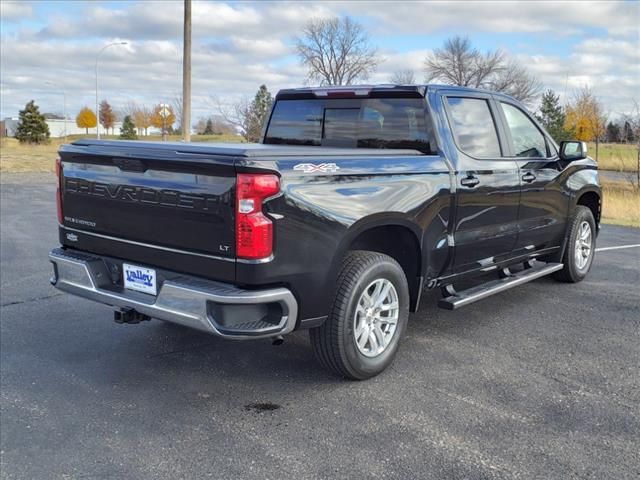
<point x="356" y="201"/>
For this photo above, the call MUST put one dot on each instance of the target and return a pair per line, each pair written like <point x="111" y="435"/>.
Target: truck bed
<point x="168" y="204"/>
<point x="246" y="150"/>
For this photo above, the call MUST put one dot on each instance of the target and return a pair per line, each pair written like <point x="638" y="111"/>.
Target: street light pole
<point x="64" y="113"/>
<point x="97" y="57"/>
<point x="64" y="107"/>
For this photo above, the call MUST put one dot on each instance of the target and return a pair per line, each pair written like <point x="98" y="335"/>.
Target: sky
<point x="49" y="47"/>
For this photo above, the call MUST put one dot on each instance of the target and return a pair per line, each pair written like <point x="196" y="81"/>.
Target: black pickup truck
<point x="357" y="200"/>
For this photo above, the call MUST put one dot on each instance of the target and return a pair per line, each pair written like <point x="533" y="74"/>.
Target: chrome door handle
<point x="528" y="177"/>
<point x="470" y="181"/>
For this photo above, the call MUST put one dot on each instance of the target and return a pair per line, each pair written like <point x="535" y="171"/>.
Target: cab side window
<point x="527" y="141"/>
<point x="473" y="127"/>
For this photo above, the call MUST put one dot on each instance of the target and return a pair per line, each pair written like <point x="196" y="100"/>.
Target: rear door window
<point x="473" y="127"/>
<point x="526" y="140"/>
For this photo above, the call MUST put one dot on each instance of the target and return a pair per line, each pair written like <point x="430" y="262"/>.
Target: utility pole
<point x="186" y="74"/>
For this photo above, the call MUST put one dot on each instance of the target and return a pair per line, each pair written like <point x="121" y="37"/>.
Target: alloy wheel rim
<point x="583" y="246"/>
<point x="376" y="317"/>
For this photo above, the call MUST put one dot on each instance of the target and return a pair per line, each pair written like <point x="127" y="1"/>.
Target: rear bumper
<point x="217" y="308"/>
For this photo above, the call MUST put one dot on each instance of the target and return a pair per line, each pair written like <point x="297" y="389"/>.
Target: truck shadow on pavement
<point x="171" y="346"/>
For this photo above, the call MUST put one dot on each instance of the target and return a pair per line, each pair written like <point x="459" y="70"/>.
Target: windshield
<point x="359" y="123"/>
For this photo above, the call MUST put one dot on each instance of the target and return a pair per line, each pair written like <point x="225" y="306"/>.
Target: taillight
<point x="58" y="190"/>
<point x="254" y="231"/>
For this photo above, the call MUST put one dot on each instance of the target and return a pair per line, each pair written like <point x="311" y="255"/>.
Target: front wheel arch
<point x="593" y="201"/>
<point x="572" y="272"/>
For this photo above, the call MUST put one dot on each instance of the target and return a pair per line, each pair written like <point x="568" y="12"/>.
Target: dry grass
<point x="616" y="156"/>
<point x="621" y="204"/>
<point x="21" y="158"/>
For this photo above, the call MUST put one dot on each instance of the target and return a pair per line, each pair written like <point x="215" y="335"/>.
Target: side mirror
<point x="573" y="150"/>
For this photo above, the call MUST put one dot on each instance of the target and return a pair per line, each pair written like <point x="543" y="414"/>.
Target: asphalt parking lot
<point x="539" y="382"/>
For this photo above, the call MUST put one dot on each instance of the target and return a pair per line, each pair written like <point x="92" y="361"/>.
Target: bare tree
<point x="459" y="63"/>
<point x="218" y="125"/>
<point x="336" y="51"/>
<point x="403" y="77"/>
<point x="515" y="80"/>
<point x="140" y="114"/>
<point x="249" y="116"/>
<point x="129" y="108"/>
<point x="235" y="113"/>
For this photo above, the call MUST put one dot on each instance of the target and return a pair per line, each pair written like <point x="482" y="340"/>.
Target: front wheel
<point x="581" y="246"/>
<point x="369" y="313"/>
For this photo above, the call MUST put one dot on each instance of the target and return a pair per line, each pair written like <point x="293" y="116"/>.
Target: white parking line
<point x="604" y="249"/>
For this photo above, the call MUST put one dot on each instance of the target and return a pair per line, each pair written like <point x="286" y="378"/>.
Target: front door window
<point x="527" y="141"/>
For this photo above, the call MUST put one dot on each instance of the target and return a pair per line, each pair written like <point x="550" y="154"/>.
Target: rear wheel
<point x="369" y="313"/>
<point x="581" y="245"/>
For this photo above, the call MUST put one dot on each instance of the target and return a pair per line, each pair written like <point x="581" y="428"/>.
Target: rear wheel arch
<point x="340" y="344"/>
<point x="399" y="240"/>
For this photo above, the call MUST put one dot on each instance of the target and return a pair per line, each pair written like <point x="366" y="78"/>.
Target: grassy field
<point x="17" y="158"/>
<point x="616" y="156"/>
<point x="621" y="203"/>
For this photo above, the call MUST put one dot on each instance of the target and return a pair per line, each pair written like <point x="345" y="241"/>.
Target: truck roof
<point x="370" y="91"/>
<point x="353" y="91"/>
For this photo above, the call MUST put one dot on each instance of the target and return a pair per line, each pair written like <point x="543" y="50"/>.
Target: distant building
<point x="57" y="127"/>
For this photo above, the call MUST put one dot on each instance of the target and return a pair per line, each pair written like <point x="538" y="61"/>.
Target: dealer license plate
<point x="139" y="278"/>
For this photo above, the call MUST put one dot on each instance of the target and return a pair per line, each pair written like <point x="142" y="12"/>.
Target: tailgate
<point x="156" y="197"/>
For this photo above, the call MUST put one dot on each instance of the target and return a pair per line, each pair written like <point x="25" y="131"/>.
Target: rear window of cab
<point x="400" y="123"/>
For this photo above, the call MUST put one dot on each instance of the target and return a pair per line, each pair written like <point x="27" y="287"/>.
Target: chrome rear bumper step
<point x="213" y="307"/>
<point x="454" y="300"/>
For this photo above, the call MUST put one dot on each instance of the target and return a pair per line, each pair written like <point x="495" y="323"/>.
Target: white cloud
<point x="15" y="11"/>
<point x="263" y="48"/>
<point x="238" y="46"/>
<point x="610" y="67"/>
<point x="558" y="18"/>
<point x="398" y="61"/>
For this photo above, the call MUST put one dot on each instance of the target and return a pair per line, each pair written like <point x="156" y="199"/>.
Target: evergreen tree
<point x="128" y="129"/>
<point x="257" y="114"/>
<point x="613" y="132"/>
<point x="552" y="116"/>
<point x="32" y="126"/>
<point x="628" y="135"/>
<point x="208" y="130"/>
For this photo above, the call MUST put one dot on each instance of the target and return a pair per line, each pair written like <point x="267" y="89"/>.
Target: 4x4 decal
<point x="312" y="167"/>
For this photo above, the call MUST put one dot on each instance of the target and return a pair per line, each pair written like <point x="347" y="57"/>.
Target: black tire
<point x="572" y="272"/>
<point x="334" y="342"/>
